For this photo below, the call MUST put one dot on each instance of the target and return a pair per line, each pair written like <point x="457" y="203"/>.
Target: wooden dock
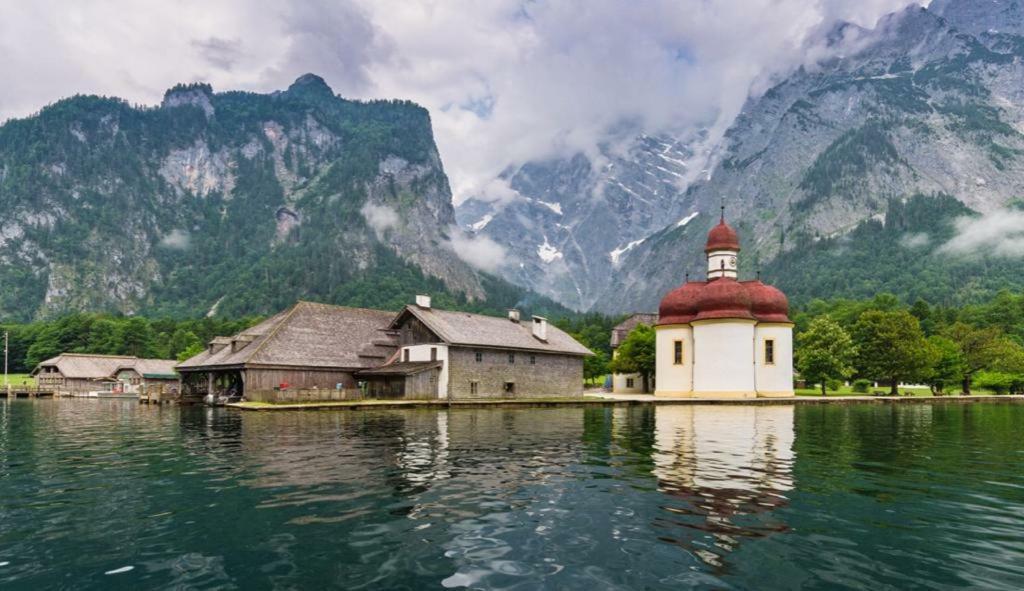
<point x="23" y="391"/>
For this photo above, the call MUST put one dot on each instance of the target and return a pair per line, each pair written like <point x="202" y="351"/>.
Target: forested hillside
<point x="228" y="204"/>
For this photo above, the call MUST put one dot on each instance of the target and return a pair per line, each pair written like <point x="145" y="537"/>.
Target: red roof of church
<point x="722" y="237"/>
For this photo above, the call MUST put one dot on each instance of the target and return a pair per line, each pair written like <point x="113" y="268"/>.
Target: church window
<point x="769" y="352"/>
<point x="479" y="357"/>
<point x="678" y="353"/>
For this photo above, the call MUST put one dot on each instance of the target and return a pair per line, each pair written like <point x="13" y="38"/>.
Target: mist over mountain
<point x="923" y="114"/>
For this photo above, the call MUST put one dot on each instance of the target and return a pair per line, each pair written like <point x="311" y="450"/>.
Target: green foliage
<point x="636" y="354"/>
<point x="861" y="386"/>
<point x="891" y="347"/>
<point x="113" y="335"/>
<point x="824" y="352"/>
<point x="880" y="257"/>
<point x="949" y="367"/>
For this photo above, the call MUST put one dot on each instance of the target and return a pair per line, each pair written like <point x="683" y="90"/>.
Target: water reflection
<point x="724" y="469"/>
<point x="527" y="498"/>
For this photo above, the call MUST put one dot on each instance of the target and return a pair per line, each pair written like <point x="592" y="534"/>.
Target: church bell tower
<point x="722" y="250"/>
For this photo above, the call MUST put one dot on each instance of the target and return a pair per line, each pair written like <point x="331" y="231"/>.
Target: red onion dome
<point x="722" y="237"/>
<point x="680" y="305"/>
<point x="767" y="303"/>
<point x="724" y="298"/>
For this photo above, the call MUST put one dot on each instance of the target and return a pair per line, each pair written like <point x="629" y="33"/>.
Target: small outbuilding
<point x="147" y="375"/>
<point x="628" y="383"/>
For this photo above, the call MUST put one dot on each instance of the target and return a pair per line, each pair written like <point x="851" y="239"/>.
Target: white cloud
<point x="999" y="232"/>
<point x="176" y="240"/>
<point x="479" y="251"/>
<point x="505" y="81"/>
<point x="379" y="217"/>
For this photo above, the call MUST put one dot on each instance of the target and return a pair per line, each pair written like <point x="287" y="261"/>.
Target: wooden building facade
<point x="309" y="352"/>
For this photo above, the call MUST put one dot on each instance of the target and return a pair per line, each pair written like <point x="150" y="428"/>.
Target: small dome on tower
<point x="767" y="303"/>
<point x="724" y="298"/>
<point x="722" y="237"/>
<point x="679" y="306"/>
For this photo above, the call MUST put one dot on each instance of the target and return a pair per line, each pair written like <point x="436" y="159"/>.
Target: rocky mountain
<point x="577" y="218"/>
<point x="227" y="203"/>
<point x="926" y="107"/>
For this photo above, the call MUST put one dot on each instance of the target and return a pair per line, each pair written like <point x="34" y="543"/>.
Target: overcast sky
<point x="506" y="81"/>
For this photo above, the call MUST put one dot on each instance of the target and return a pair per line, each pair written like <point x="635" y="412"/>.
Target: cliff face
<point x="222" y="202"/>
<point x="930" y="103"/>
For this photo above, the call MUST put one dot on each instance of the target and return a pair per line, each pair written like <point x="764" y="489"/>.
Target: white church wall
<point x="673" y="379"/>
<point x="775" y="379"/>
<point x="724" y="358"/>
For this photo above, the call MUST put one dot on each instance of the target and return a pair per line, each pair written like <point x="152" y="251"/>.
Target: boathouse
<point x="457" y="355"/>
<point x="308" y="352"/>
<point x="146" y="375"/>
<point x="78" y="373"/>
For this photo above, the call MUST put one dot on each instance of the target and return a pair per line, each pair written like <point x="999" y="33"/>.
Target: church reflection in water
<point x="725" y="470"/>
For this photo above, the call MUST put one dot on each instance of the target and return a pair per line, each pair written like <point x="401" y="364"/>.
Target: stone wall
<point x="550" y="375"/>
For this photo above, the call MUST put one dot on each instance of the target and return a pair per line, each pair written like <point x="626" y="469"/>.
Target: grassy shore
<point x="19" y="379"/>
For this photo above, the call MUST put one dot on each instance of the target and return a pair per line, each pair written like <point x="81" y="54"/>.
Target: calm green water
<point x="109" y="494"/>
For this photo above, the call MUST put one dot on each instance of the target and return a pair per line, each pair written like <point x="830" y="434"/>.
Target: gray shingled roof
<point x="476" y="330"/>
<point x="84" y="365"/>
<point x="306" y="335"/>
<point x="149" y="367"/>
<point x="622" y="329"/>
<point x="94" y="367"/>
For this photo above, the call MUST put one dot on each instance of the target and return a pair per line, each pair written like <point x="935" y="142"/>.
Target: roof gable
<point x="307" y="335"/>
<point x="477" y="330"/>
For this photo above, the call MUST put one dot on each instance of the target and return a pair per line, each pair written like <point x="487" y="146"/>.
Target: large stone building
<point x="629" y="383"/>
<point x="476" y="356"/>
<point x="722" y="337"/>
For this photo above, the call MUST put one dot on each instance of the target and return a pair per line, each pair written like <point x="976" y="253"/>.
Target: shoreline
<point x="617" y="400"/>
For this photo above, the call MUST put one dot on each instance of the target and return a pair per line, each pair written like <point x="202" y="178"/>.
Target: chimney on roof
<point x="513" y="315"/>
<point x="423" y="301"/>
<point x="540" y="328"/>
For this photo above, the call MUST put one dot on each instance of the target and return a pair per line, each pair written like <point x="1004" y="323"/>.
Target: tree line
<point x="105" y="334"/>
<point x="881" y="340"/>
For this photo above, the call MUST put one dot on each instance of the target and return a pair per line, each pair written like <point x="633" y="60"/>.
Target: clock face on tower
<point x="732" y="262"/>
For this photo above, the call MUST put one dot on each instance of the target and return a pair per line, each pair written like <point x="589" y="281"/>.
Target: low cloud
<point x="915" y="240"/>
<point x="479" y="251"/>
<point x="380" y="217"/>
<point x="176" y="240"/>
<point x="505" y="81"/>
<point x="999" y="233"/>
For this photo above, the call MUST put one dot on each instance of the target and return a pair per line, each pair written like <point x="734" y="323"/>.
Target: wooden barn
<point x="308" y="352"/>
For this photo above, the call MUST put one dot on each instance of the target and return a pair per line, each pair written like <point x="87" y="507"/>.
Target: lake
<point x="108" y="494"/>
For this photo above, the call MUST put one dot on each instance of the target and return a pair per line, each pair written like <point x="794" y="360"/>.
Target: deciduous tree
<point x="825" y="352"/>
<point x="892" y="347"/>
<point x="637" y="354"/>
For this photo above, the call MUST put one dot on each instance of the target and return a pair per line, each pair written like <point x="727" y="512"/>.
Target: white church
<point x="724" y="338"/>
